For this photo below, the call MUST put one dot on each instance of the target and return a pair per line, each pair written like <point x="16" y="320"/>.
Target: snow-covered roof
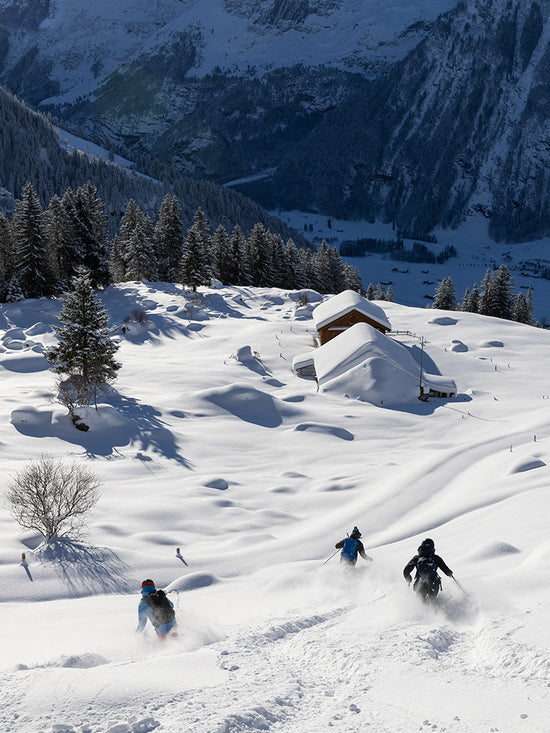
<point x="368" y="365"/>
<point x="301" y="361"/>
<point x="345" y="302"/>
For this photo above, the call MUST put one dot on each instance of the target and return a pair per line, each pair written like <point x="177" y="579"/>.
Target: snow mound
<point x="247" y="403"/>
<point x="312" y="295"/>
<point x="539" y="557"/>
<point x="458" y="346"/>
<point x="217" y="483"/>
<point x="443" y="321"/>
<point x="192" y="582"/>
<point x="491" y="551"/>
<point x="37" y="329"/>
<point x="489" y="344"/>
<point x="330" y="430"/>
<point x="526" y="464"/>
<point x="244" y="354"/>
<point x="105" y="417"/>
<point x="28" y="417"/>
<point x="23" y="364"/>
<point x="80" y="661"/>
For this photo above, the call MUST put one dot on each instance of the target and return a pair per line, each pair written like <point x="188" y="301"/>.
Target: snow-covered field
<point x="224" y="453"/>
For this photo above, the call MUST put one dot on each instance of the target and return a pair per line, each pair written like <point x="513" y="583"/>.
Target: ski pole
<point x="456" y="581"/>
<point x="330" y="558"/>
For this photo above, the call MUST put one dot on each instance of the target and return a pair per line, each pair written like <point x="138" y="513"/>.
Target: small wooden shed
<point x="346" y="309"/>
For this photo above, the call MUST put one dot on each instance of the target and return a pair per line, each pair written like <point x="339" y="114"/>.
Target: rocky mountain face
<point x="351" y="108"/>
<point x="460" y="124"/>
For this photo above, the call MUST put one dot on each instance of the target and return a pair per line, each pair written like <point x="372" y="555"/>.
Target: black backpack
<point x="162" y="610"/>
<point x="426" y="568"/>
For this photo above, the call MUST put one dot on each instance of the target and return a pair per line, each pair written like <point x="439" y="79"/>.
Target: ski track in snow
<point x="321" y="672"/>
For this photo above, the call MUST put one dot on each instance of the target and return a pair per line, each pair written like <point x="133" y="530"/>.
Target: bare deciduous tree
<point x="53" y="498"/>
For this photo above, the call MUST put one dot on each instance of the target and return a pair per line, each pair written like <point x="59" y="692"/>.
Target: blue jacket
<point x="145" y="612"/>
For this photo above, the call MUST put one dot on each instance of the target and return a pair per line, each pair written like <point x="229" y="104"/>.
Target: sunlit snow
<point x="228" y="479"/>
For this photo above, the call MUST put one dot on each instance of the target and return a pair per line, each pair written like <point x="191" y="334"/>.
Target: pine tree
<point x="117" y="262"/>
<point x="445" y="295"/>
<point x="370" y="292"/>
<point x="33" y="267"/>
<point x="379" y="292"/>
<point x="260" y="257"/>
<point x="484" y="305"/>
<point x="90" y="230"/>
<point x="135" y="244"/>
<point x="465" y="300"/>
<point x="323" y="263"/>
<point x="389" y="294"/>
<point x="60" y="226"/>
<point x="85" y="350"/>
<point x="221" y="250"/>
<point x="54" y="224"/>
<point x="522" y="312"/>
<point x="168" y="239"/>
<point x="297" y="275"/>
<point x="307" y="265"/>
<point x="239" y="272"/>
<point x="501" y="294"/>
<point x="282" y="273"/>
<point x="195" y="267"/>
<point x="139" y="251"/>
<point x="7" y="255"/>
<point x="473" y="300"/>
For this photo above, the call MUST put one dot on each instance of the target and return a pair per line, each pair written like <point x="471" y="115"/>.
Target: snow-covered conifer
<point x="473" y="300"/>
<point x="33" y="267"/>
<point x="483" y="304"/>
<point x="195" y="267"/>
<point x="221" y="251"/>
<point x="445" y="295"/>
<point x="84" y="354"/>
<point x="168" y="239"/>
<point x="501" y="301"/>
<point x="239" y="271"/>
<point x="522" y="312"/>
<point x="260" y="257"/>
<point x="323" y="263"/>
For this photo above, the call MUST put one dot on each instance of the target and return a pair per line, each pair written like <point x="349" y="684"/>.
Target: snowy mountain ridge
<point x="83" y="43"/>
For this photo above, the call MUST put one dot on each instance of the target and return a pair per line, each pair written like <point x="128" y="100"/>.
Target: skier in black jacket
<point x="351" y="547"/>
<point x="427" y="582"/>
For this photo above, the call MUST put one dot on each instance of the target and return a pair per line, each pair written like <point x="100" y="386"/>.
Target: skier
<point x="351" y="547"/>
<point x="427" y="582"/>
<point x="155" y="606"/>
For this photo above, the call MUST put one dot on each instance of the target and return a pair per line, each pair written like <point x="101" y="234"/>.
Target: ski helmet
<point x="147" y="582"/>
<point x="427" y="547"/>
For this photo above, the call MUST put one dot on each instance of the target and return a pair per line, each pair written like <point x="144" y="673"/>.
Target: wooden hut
<point x="346" y="309"/>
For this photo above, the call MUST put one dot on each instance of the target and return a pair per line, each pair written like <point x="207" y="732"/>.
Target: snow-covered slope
<point x="221" y="451"/>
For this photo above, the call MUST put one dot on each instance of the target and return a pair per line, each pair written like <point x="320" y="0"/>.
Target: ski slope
<point x="222" y="452"/>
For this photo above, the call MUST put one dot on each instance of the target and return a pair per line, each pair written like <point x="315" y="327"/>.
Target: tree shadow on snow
<point x="84" y="569"/>
<point x="151" y="433"/>
<point x="129" y="423"/>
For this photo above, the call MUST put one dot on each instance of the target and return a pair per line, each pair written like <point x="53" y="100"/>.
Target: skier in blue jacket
<point x="158" y="609"/>
<point x="351" y="547"/>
